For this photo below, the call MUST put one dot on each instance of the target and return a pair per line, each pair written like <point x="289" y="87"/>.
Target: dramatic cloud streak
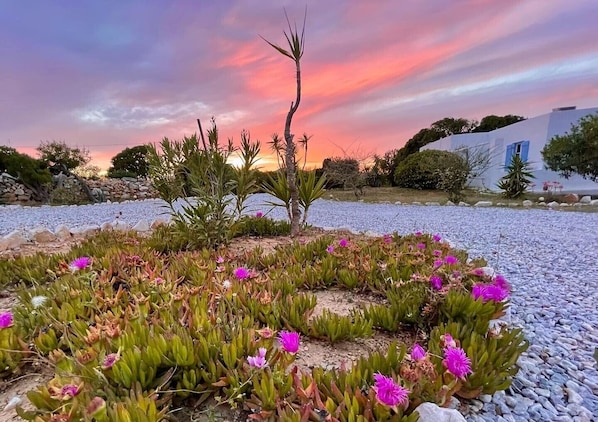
<point x="374" y="72"/>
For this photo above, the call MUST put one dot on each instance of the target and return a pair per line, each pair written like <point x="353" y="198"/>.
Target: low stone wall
<point x="13" y="192"/>
<point x="69" y="190"/>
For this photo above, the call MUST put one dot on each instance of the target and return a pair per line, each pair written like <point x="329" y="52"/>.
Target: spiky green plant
<point x="518" y="178"/>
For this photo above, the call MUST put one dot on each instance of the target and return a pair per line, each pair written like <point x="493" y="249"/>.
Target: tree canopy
<point x="493" y="122"/>
<point x="60" y="157"/>
<point x="575" y="152"/>
<point x="130" y="162"/>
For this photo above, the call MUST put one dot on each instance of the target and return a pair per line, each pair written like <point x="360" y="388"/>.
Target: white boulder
<point x="63" y="232"/>
<point x="483" y="204"/>
<point x="120" y="225"/>
<point x="12" y="240"/>
<point x="430" y="412"/>
<point x="527" y="203"/>
<point x="585" y="199"/>
<point x="142" y="226"/>
<point x="42" y="235"/>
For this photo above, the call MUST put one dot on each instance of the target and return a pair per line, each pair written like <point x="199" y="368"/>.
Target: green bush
<point x="33" y="173"/>
<point x="422" y="170"/>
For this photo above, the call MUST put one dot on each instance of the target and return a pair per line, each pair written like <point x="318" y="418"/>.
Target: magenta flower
<point x="457" y="362"/>
<point x="437" y="252"/>
<point x="259" y="214"/>
<point x="289" y="341"/>
<point x="110" y="360"/>
<point x="258" y="361"/>
<point x="69" y="391"/>
<point x="438" y="263"/>
<point x="242" y="273"/>
<point x="387" y="238"/>
<point x="436" y="282"/>
<point x="80" y="263"/>
<point x="330" y="249"/>
<point x="220" y="260"/>
<point x="421" y="245"/>
<point x="489" y="292"/>
<point x="500" y="281"/>
<point x="343" y="243"/>
<point x="478" y="272"/>
<point x="418" y="352"/>
<point x="449" y="259"/>
<point x="437" y="238"/>
<point x="389" y="393"/>
<point x="6" y="319"/>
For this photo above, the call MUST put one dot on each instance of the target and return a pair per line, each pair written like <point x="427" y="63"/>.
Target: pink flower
<point x="489" y="292"/>
<point x="436" y="282"/>
<point x="80" y="263"/>
<point x="259" y="214"/>
<point x="449" y="259"/>
<point x="438" y="263"/>
<point x="457" y="362"/>
<point x="6" y="319"/>
<point x="289" y="341"/>
<point x="69" y="391"/>
<point x="389" y="393"/>
<point x="158" y="280"/>
<point x="478" y="272"/>
<point x="421" y="245"/>
<point x="418" y="234"/>
<point x="418" y="352"/>
<point x="220" y="260"/>
<point x="437" y="252"/>
<point x="343" y="243"/>
<point x="387" y="238"/>
<point x="330" y="249"/>
<point x="110" y="360"/>
<point x="437" y="238"/>
<point x="242" y="273"/>
<point x="258" y="361"/>
<point x="448" y="340"/>
<point x="500" y="281"/>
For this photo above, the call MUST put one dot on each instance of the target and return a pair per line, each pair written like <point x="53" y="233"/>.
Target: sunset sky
<point x="110" y="74"/>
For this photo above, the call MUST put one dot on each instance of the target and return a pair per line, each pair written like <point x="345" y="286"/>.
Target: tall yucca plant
<point x="295" y="51"/>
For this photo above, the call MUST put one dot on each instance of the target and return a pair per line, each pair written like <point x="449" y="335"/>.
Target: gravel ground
<point x="550" y="258"/>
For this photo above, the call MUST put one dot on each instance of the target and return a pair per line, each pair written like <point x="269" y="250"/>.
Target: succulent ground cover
<point x="133" y="334"/>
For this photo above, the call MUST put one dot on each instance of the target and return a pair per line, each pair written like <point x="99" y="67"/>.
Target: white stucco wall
<point x="538" y="131"/>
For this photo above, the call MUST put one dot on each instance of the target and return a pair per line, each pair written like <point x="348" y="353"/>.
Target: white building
<point x="526" y="138"/>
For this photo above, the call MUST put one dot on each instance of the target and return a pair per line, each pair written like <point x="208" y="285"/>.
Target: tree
<point x="295" y="52"/>
<point x="575" y="152"/>
<point x="518" y="178"/>
<point x="422" y="169"/>
<point x="131" y="162"/>
<point x="450" y="126"/>
<point x="60" y="157"/>
<point x="341" y="172"/>
<point x="493" y="122"/>
<point x="31" y="172"/>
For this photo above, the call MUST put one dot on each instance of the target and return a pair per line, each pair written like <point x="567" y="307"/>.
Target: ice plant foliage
<point x="418" y="352"/>
<point x="390" y="393"/>
<point x="457" y="362"/>
<point x="79" y="263"/>
<point x="289" y="341"/>
<point x="242" y="273"/>
<point x="259" y="360"/>
<point x="6" y="319"/>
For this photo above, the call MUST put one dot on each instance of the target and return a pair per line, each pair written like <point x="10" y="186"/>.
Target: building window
<point x="520" y="149"/>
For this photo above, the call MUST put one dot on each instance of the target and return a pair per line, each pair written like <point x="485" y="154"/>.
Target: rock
<point x="483" y="204"/>
<point x="463" y="204"/>
<point x="142" y="226"/>
<point x="41" y="235"/>
<point x="430" y="412"/>
<point x="398" y="203"/>
<point x="450" y="204"/>
<point x="573" y="396"/>
<point x="120" y="225"/>
<point x="564" y="204"/>
<point x="501" y="204"/>
<point x="12" y="240"/>
<point x="542" y="203"/>
<point x="106" y="227"/>
<point x="513" y="204"/>
<point x="553" y="204"/>
<point x="527" y="203"/>
<point x="90" y="230"/>
<point x="432" y="203"/>
<point x="571" y="198"/>
<point x="63" y="232"/>
<point x="585" y="199"/>
<point x="19" y="191"/>
<point x="416" y="203"/>
<point x="541" y="199"/>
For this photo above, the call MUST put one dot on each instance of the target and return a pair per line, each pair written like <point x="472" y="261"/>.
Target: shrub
<point x="422" y="169"/>
<point x="130" y="162"/>
<point x="518" y="178"/>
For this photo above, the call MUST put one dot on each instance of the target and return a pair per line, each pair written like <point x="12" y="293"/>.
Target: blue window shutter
<point x="524" y="150"/>
<point x="509" y="156"/>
